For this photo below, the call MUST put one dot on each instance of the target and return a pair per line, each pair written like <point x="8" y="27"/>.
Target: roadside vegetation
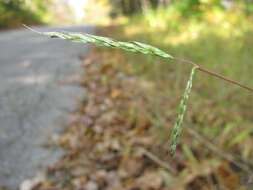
<point x="15" y="12"/>
<point x="118" y="137"/>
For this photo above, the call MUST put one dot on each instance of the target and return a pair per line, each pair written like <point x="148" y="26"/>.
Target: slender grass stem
<point x="29" y="28"/>
<point x="214" y="73"/>
<point x="186" y="61"/>
<point x="225" y="78"/>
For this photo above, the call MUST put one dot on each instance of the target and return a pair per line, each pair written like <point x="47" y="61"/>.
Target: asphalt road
<point x="32" y="101"/>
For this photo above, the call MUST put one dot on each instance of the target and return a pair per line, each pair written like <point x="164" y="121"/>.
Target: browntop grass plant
<point x="142" y="48"/>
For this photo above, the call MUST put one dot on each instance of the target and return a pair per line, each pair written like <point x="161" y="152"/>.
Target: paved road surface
<point x="32" y="102"/>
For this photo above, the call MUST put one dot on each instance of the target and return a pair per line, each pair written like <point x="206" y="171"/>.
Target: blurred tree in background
<point x="14" y="12"/>
<point x="186" y="7"/>
<point x="129" y="7"/>
<point x="32" y="12"/>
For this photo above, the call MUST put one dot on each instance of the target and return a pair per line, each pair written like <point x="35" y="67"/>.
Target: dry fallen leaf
<point x="228" y="177"/>
<point x="150" y="180"/>
<point x="116" y="93"/>
<point x="105" y="69"/>
<point x="91" y="185"/>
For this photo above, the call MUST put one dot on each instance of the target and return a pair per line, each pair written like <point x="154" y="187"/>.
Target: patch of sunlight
<point x="187" y="35"/>
<point x="133" y="30"/>
<point x="122" y="20"/>
<point x="228" y="30"/>
<point x="158" y="20"/>
<point x="78" y="8"/>
<point x="34" y="79"/>
<point x="193" y="30"/>
<point x="215" y="16"/>
<point x="205" y="1"/>
<point x="97" y="12"/>
<point x="157" y="23"/>
<point x="177" y="30"/>
<point x="227" y="25"/>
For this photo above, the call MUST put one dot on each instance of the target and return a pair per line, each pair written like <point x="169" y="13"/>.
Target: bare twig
<point x="215" y="149"/>
<point x="158" y="161"/>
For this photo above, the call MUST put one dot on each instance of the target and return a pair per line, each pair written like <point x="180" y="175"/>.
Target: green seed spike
<point x="108" y="42"/>
<point x="177" y="130"/>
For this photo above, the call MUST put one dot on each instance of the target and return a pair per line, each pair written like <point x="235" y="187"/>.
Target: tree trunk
<point x="144" y="5"/>
<point x="161" y="3"/>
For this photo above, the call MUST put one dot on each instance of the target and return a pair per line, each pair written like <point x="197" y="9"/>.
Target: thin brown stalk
<point x="158" y="161"/>
<point x="214" y="73"/>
